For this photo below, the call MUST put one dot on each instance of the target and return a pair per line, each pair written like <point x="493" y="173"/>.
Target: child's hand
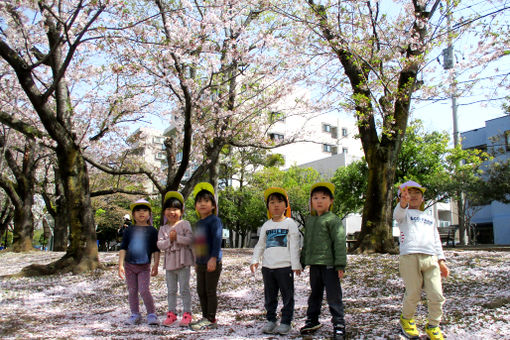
<point x="211" y="264"/>
<point x="404" y="197"/>
<point x="122" y="273"/>
<point x="340" y="274"/>
<point x="297" y="272"/>
<point x="444" y="269"/>
<point x="173" y="235"/>
<point x="253" y="267"/>
<point x="154" y="270"/>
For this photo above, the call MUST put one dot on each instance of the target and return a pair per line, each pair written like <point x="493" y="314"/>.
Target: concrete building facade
<point x="318" y="137"/>
<point x="493" y="220"/>
<point x="147" y="143"/>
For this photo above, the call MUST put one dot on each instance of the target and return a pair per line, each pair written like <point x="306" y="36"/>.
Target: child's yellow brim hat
<point x="327" y="185"/>
<point x="174" y="194"/>
<point x="203" y="186"/>
<point x="207" y="187"/>
<point x="277" y="190"/>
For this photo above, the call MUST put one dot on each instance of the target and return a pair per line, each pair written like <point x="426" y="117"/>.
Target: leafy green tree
<point x="350" y="188"/>
<point x="296" y="181"/>
<point x="422" y="158"/>
<point x="242" y="210"/>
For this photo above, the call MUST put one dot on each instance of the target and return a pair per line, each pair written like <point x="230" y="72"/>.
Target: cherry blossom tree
<point x="20" y="187"/>
<point x="380" y="53"/>
<point x="40" y="42"/>
<point x="217" y="67"/>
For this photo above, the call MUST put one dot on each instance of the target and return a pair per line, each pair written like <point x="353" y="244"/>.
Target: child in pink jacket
<point x="175" y="238"/>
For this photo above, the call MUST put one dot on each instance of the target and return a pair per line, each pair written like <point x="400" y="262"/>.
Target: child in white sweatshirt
<point x="422" y="261"/>
<point x="278" y="246"/>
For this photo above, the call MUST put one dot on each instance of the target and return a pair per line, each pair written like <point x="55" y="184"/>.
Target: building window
<point x="507" y="140"/>
<point x="276" y="136"/>
<point x="344" y="132"/>
<point x="160" y="155"/>
<point x="158" y="140"/>
<point x="326" y="128"/>
<point x="326" y="148"/>
<point x="443" y="224"/>
<point x="334" y="132"/>
<point x="345" y="151"/>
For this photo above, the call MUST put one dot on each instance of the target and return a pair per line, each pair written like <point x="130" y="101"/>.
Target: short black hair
<point x="322" y="190"/>
<point x="173" y="202"/>
<point x="140" y="207"/>
<point x="207" y="195"/>
<point x="278" y="196"/>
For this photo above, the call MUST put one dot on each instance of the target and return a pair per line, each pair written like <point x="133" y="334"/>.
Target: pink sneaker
<point x="170" y="319"/>
<point x="186" y="320"/>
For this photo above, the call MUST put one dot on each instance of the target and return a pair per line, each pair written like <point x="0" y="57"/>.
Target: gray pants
<point x="181" y="277"/>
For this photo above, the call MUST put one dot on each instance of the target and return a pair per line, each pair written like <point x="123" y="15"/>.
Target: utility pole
<point x="449" y="64"/>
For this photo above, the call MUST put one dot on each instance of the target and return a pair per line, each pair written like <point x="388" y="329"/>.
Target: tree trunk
<point x="60" y="231"/>
<point x="82" y="253"/>
<point x="6" y="216"/>
<point x="376" y="232"/>
<point x="23" y="233"/>
<point x="60" y="217"/>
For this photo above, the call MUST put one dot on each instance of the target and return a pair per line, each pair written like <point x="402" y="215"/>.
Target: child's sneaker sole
<point x="311" y="329"/>
<point x="405" y="336"/>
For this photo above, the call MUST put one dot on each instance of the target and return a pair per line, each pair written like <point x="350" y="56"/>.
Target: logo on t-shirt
<point x="276" y="238"/>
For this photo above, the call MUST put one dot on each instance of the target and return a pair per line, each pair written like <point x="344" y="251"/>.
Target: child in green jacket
<point x="324" y="251"/>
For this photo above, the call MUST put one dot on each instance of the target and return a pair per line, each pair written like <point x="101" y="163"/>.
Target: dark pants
<point x="325" y="277"/>
<point x="207" y="283"/>
<point x="281" y="279"/>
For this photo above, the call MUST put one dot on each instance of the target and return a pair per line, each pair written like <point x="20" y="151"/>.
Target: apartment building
<point x="148" y="144"/>
<point x="493" y="220"/>
<point x="317" y="137"/>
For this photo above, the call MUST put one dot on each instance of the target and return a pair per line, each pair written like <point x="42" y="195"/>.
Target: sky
<point x="474" y="108"/>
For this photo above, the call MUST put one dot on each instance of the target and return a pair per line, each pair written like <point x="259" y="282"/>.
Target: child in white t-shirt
<point x="278" y="247"/>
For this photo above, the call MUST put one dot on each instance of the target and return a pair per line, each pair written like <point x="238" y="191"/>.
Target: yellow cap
<point x="207" y="187"/>
<point x="203" y="186"/>
<point x="327" y="185"/>
<point x="174" y="194"/>
<point x="274" y="190"/>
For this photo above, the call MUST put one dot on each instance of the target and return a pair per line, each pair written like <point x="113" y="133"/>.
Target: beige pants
<point x="421" y="271"/>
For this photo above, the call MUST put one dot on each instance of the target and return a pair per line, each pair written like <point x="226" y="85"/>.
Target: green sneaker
<point x="433" y="332"/>
<point x="203" y="324"/>
<point x="409" y="328"/>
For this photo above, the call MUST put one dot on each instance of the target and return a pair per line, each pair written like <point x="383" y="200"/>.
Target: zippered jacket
<point x="324" y="242"/>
